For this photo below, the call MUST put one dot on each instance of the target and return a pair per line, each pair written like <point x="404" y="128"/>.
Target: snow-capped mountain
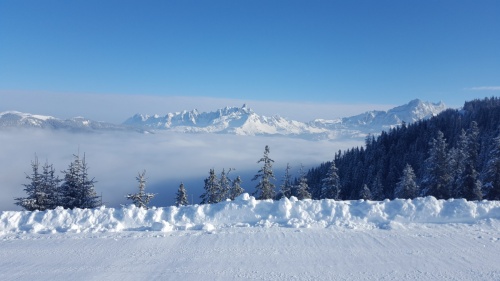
<point x="376" y="121"/>
<point x="25" y="120"/>
<point x="239" y="121"/>
<point x="244" y="121"/>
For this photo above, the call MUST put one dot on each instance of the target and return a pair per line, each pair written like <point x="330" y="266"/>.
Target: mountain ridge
<point x="240" y="121"/>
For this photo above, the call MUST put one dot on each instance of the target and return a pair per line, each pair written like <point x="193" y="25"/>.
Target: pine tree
<point x="456" y="162"/>
<point x="224" y="186"/>
<point x="331" y="183"/>
<point x="377" y="189"/>
<point x="470" y="185"/>
<point x="236" y="189"/>
<point x="303" y="187"/>
<point x="181" y="199"/>
<point x="88" y="197"/>
<point x="407" y="187"/>
<point x="36" y="197"/>
<point x="141" y="199"/>
<point x="77" y="190"/>
<point x="70" y="188"/>
<point x="265" y="188"/>
<point x="437" y="178"/>
<point x="50" y="183"/>
<point x="211" y="187"/>
<point x="286" y="185"/>
<point x="365" y="193"/>
<point x="492" y="174"/>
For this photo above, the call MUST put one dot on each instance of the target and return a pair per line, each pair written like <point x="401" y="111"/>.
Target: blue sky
<point x="323" y="52"/>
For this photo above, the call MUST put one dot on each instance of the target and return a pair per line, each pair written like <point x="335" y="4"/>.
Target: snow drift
<point x="246" y="211"/>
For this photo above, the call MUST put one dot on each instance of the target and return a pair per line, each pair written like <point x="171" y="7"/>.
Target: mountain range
<point x="239" y="121"/>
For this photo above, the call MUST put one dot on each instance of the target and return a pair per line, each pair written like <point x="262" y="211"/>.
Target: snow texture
<point x="246" y="211"/>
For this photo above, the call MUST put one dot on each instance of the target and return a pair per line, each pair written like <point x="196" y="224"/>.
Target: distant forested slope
<point x="455" y="154"/>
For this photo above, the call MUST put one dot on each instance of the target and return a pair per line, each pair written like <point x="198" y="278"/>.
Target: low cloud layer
<point x="485" y="88"/>
<point x="169" y="159"/>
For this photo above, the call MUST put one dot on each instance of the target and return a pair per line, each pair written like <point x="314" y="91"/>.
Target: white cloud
<point x="169" y="158"/>
<point x="485" y="88"/>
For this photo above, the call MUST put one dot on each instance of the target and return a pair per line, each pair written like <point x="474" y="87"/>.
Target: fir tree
<point x="407" y="187"/>
<point x="492" y="174"/>
<point x="50" y="183"/>
<point x="365" y="193"/>
<point x="211" y="194"/>
<point x="141" y="199"/>
<point x="181" y="199"/>
<point x="265" y="187"/>
<point x="456" y="164"/>
<point x="377" y="189"/>
<point x="88" y="197"/>
<point x="331" y="183"/>
<point x="77" y="190"/>
<point x="303" y="187"/>
<point x="36" y="196"/>
<point x="286" y="185"/>
<point x="236" y="189"/>
<point x="437" y="177"/>
<point x="224" y="186"/>
<point x="470" y="185"/>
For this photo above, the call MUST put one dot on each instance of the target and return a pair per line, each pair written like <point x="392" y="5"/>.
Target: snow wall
<point x="246" y="211"/>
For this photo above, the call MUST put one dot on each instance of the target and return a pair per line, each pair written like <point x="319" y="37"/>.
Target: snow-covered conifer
<point x="181" y="198"/>
<point x="265" y="187"/>
<point x="224" y="186"/>
<point x="286" y="185"/>
<point x="407" y="187"/>
<point x="303" y="187"/>
<point x="36" y="197"/>
<point x="141" y="199"/>
<point x="436" y="177"/>
<point x="50" y="183"/>
<point x="211" y="187"/>
<point x="377" y="189"/>
<point x="77" y="189"/>
<point x="331" y="183"/>
<point x="88" y="196"/>
<point x="469" y="184"/>
<point x="236" y="189"/>
<point x="365" y="193"/>
<point x="492" y="174"/>
<point x="457" y="157"/>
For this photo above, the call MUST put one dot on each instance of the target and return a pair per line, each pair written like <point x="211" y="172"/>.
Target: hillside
<point x="455" y="154"/>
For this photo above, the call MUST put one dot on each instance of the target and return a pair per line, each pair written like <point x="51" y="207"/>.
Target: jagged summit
<point x="240" y="121"/>
<point x="244" y="121"/>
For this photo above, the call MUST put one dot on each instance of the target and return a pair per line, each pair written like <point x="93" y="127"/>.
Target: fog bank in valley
<point x="169" y="159"/>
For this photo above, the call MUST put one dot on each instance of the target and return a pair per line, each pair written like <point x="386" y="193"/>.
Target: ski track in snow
<point x="251" y="240"/>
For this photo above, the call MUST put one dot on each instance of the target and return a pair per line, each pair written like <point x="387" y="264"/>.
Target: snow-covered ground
<point x="247" y="239"/>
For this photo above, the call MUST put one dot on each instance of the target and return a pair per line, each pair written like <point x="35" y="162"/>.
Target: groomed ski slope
<point x="248" y="239"/>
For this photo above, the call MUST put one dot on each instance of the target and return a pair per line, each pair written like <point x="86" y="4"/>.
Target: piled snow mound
<point x="246" y="211"/>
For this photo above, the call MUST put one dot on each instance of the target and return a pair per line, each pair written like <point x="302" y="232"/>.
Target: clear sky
<point x="344" y="52"/>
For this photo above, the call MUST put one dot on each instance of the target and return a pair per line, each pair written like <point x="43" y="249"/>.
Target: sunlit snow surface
<point x="248" y="239"/>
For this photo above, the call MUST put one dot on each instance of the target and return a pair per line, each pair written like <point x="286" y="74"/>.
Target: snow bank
<point x="246" y="211"/>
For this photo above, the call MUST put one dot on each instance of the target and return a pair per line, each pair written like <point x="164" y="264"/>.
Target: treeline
<point x="455" y="154"/>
